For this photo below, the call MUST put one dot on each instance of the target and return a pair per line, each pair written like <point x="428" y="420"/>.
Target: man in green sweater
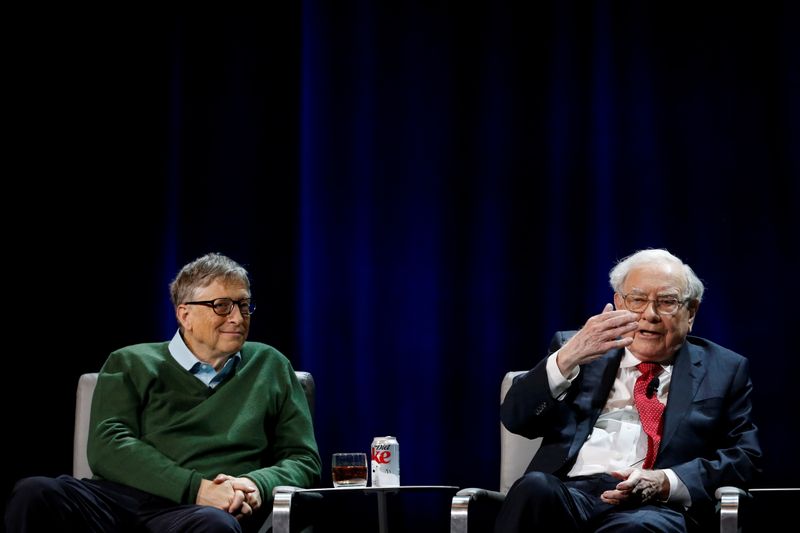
<point x="187" y="435"/>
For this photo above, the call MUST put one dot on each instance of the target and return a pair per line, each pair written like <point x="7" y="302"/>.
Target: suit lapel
<point x="687" y="374"/>
<point x="596" y="382"/>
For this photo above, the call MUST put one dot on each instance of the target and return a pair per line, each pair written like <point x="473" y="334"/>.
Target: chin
<point x="647" y="351"/>
<point x="232" y="347"/>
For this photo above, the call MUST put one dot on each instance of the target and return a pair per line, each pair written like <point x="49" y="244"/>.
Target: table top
<point x="367" y="489"/>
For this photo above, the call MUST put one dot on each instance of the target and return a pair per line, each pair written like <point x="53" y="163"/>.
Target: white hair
<point x="693" y="286"/>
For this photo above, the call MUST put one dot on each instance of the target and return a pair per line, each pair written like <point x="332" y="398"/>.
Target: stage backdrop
<point x="423" y="194"/>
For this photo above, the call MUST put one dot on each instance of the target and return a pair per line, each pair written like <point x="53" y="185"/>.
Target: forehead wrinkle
<point x="220" y="289"/>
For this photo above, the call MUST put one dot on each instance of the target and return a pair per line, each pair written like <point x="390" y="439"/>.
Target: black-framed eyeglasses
<point x="224" y="306"/>
<point x="663" y="305"/>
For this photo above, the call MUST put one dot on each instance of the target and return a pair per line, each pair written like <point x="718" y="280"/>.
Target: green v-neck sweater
<point x="158" y="428"/>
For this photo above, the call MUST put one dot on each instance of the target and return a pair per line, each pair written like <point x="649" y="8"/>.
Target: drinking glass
<point x="349" y="469"/>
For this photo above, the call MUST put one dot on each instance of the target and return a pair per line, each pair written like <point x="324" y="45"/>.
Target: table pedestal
<point x="282" y="502"/>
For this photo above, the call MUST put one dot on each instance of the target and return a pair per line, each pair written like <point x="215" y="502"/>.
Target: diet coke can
<point x="385" y="462"/>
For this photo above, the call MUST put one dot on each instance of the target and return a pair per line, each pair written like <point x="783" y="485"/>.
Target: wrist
<point x="663" y="495"/>
<point x="564" y="365"/>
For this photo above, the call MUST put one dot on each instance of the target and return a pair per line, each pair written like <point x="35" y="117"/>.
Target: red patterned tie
<point x="650" y="410"/>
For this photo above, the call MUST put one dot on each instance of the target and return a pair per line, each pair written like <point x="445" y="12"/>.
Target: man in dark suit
<point x="629" y="446"/>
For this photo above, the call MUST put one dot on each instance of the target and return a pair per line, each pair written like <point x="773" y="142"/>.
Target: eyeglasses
<point x="663" y="305"/>
<point x="224" y="306"/>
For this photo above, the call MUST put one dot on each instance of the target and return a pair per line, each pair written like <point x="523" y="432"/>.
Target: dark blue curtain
<point x="423" y="194"/>
<point x="468" y="177"/>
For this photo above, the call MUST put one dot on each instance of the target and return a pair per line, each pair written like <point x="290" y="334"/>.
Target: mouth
<point x="645" y="334"/>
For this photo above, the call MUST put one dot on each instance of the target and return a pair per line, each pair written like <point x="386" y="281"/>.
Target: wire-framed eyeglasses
<point x="224" y="306"/>
<point x="663" y="305"/>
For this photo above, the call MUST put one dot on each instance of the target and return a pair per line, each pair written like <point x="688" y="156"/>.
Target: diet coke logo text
<point x="381" y="457"/>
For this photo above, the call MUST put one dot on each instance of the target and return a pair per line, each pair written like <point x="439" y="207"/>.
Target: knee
<point x="38" y="504"/>
<point x="645" y="521"/>
<point x="32" y="489"/>
<point x="536" y="485"/>
<point x="539" y="482"/>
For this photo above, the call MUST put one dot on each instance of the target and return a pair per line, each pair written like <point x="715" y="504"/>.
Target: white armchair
<point x="516" y="453"/>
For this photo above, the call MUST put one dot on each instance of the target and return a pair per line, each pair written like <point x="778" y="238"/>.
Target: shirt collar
<point x="184" y="356"/>
<point x="629" y="361"/>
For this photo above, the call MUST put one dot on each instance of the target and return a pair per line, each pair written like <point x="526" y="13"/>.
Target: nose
<point x="235" y="315"/>
<point x="649" y="312"/>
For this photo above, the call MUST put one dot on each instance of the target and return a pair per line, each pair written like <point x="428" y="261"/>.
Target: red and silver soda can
<point x="385" y="462"/>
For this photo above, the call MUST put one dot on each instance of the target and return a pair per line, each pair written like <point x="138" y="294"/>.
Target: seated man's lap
<point x="581" y="499"/>
<point x="102" y="505"/>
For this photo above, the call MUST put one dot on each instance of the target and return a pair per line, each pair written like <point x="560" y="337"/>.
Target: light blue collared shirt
<point x="202" y="371"/>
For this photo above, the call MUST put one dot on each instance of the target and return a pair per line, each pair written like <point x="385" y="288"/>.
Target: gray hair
<point x="693" y="289"/>
<point x="202" y="272"/>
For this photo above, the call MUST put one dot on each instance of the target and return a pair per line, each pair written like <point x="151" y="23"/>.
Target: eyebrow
<point x="665" y="292"/>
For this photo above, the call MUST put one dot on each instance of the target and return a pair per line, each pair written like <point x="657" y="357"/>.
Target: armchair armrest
<point x="730" y="499"/>
<point x="282" y="497"/>
<point x="474" y="510"/>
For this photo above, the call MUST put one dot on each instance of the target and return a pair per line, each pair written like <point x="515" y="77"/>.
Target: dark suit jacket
<point x="709" y="439"/>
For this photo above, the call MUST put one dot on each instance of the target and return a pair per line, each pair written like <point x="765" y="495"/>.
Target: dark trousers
<point x="67" y="504"/>
<point x="542" y="502"/>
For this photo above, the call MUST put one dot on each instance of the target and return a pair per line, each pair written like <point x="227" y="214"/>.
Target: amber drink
<point x="349" y="469"/>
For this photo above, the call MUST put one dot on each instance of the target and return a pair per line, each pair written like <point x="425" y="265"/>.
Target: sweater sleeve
<point x="115" y="449"/>
<point x="294" y="458"/>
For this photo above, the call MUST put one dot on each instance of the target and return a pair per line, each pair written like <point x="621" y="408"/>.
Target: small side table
<point x="282" y="501"/>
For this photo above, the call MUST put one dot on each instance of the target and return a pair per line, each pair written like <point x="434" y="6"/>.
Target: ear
<point x="182" y="314"/>
<point x="617" y="301"/>
<point x="692" y="308"/>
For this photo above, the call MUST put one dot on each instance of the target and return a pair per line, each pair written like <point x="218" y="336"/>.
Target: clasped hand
<point x="637" y="486"/>
<point x="238" y="496"/>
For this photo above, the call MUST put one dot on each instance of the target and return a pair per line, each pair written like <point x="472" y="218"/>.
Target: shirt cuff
<point x="558" y="383"/>
<point x="678" y="493"/>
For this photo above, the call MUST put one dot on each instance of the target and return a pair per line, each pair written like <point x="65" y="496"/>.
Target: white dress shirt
<point x="617" y="440"/>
